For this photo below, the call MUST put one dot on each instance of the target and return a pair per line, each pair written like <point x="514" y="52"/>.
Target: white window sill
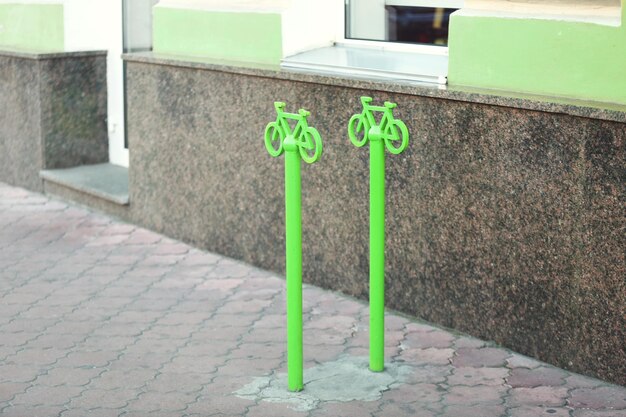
<point x="376" y="63"/>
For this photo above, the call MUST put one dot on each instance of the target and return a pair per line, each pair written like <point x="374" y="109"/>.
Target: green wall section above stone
<point x="233" y="36"/>
<point x="546" y="57"/>
<point x="34" y="27"/>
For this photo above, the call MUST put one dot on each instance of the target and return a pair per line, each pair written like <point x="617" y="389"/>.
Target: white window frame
<point x="368" y="5"/>
<point x="374" y="59"/>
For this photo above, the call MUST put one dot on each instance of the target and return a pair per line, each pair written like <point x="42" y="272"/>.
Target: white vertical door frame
<point x="118" y="153"/>
<point x="97" y="24"/>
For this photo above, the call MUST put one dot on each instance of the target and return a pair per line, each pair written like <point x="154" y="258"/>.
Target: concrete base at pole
<point x="343" y="380"/>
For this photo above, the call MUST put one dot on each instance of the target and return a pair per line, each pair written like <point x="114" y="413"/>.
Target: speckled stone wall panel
<point x="220" y="191"/>
<point x="20" y="149"/>
<point x="503" y="223"/>
<point x="74" y="111"/>
<point x="602" y="292"/>
<point x="53" y="111"/>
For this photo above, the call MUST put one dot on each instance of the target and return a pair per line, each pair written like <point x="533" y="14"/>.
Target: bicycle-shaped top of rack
<point x="279" y="135"/>
<point x="363" y="127"/>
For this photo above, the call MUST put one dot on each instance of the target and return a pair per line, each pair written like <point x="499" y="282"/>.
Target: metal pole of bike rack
<point x="301" y="142"/>
<point x="385" y="134"/>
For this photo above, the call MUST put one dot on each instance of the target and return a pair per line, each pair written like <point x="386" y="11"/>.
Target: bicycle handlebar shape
<point x="362" y="127"/>
<point x="279" y="135"/>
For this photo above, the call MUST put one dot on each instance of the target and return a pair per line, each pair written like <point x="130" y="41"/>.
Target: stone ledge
<point x="106" y="181"/>
<point x="41" y="55"/>
<point x="574" y="107"/>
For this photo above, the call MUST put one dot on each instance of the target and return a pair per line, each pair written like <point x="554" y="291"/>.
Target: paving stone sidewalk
<point x="103" y="318"/>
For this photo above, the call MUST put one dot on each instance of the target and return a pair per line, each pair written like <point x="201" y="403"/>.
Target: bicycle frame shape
<point x="280" y="137"/>
<point x="392" y="131"/>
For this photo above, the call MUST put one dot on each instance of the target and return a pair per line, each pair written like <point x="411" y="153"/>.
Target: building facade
<point x="505" y="213"/>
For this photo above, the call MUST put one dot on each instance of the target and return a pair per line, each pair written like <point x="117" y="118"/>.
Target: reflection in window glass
<point x="422" y="25"/>
<point x="406" y="24"/>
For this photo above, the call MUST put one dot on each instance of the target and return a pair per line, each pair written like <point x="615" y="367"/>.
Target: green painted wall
<point x="242" y="37"/>
<point x="547" y="57"/>
<point x="36" y="27"/>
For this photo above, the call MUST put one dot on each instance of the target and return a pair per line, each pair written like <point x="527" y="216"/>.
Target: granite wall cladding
<point x="53" y="110"/>
<point x="503" y="223"/>
<point x="74" y="111"/>
<point x="20" y="130"/>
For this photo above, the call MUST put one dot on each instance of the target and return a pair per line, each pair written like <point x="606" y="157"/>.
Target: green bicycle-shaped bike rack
<point x="392" y="134"/>
<point x="301" y="142"/>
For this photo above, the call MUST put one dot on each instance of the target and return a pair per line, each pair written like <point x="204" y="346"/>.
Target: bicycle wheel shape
<point x="358" y="127"/>
<point x="396" y="136"/>
<point x="274" y="137"/>
<point x="310" y="145"/>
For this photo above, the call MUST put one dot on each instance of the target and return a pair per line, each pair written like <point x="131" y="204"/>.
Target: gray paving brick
<point x="37" y="356"/>
<point x="478" y="394"/>
<point x="215" y="349"/>
<point x="89" y="359"/>
<point x="99" y="341"/>
<point x="117" y="379"/>
<point x="478" y="376"/>
<point x="219" y="406"/>
<point x="539" y="411"/>
<point x="261" y="366"/>
<point x="188" y="382"/>
<point x="99" y="412"/>
<point x="431" y="374"/>
<point x="432" y="356"/>
<point x="205" y="364"/>
<point x="542" y="396"/>
<point x="403" y="410"/>
<point x="140" y="361"/>
<point x="424" y="395"/>
<point x="45" y="396"/>
<point x="159" y="401"/>
<point x="476" y="411"/>
<point x="599" y="398"/>
<point x="30" y="411"/>
<point x="99" y="398"/>
<point x="8" y="390"/>
<point x="19" y="324"/>
<point x="433" y="339"/>
<point x="74" y="376"/>
<point x="536" y="377"/>
<point x="597" y="413"/>
<point x="352" y="408"/>
<point x="55" y="341"/>
<point x="479" y="357"/>
<point x="272" y="409"/>
<point x="10" y="372"/>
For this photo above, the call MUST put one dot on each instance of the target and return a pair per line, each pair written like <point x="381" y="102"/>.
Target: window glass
<point x="425" y="25"/>
<point x="377" y="20"/>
